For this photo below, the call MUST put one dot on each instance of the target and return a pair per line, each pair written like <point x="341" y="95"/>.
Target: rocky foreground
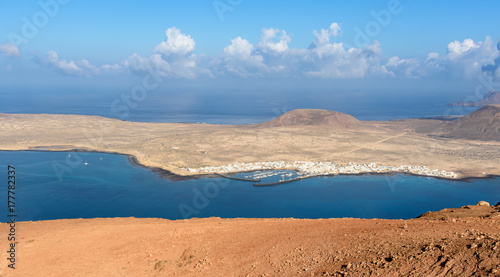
<point x="452" y="242"/>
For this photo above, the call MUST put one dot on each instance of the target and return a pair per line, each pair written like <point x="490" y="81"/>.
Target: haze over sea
<point x="231" y="106"/>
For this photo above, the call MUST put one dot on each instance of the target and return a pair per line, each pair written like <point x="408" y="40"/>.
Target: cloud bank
<point x="271" y="57"/>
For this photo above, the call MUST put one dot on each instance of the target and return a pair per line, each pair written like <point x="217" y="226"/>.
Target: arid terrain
<point x="468" y="146"/>
<point x="453" y="242"/>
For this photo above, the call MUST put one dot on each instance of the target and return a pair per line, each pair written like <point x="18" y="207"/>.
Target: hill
<point x="483" y="124"/>
<point x="465" y="246"/>
<point x="312" y="117"/>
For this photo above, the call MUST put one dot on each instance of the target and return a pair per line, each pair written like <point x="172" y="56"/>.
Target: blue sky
<point x="423" y="40"/>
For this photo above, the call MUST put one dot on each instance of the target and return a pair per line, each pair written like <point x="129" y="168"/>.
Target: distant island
<point x="490" y="98"/>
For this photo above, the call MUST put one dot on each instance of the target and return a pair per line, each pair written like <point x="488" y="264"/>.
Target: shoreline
<point x="164" y="173"/>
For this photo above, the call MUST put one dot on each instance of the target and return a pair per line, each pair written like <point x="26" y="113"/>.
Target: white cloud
<point x="466" y="59"/>
<point x="321" y="44"/>
<point x="175" y="44"/>
<point x="112" y="67"/>
<point x="323" y="36"/>
<point x="240" y="59"/>
<point x="332" y="60"/>
<point x="80" y="68"/>
<point x="172" y="58"/>
<point x="463" y="60"/>
<point x="492" y="70"/>
<point x="410" y="68"/>
<point x="267" y="43"/>
<point x="182" y="68"/>
<point x="324" y="59"/>
<point x="272" y="57"/>
<point x="10" y="50"/>
<point x="457" y="49"/>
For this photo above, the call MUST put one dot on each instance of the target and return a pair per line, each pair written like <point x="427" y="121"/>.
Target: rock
<point x="472" y="246"/>
<point x="483" y="203"/>
<point x="498" y="204"/>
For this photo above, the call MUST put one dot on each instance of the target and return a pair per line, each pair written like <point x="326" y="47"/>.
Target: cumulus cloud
<point x="333" y="60"/>
<point x="176" y="43"/>
<point x="493" y="69"/>
<point x="240" y="58"/>
<point x="466" y="59"/>
<point x="79" y="68"/>
<point x="271" y="57"/>
<point x="10" y="50"/>
<point x="112" y="68"/>
<point x="324" y="58"/>
<point x="267" y="42"/>
<point x="410" y="68"/>
<point x="323" y="37"/>
<point x="172" y="58"/>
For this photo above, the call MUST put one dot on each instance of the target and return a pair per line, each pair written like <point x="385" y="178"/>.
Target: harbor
<point x="304" y="169"/>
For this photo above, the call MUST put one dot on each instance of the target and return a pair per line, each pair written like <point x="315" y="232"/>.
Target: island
<point x="312" y="142"/>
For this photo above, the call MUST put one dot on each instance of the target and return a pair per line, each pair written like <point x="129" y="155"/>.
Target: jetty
<point x="236" y="178"/>
<point x="284" y="181"/>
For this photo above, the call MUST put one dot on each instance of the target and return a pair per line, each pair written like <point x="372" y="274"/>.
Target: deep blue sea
<point x="109" y="185"/>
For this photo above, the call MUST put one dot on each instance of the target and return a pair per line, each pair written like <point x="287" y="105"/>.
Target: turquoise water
<point x="109" y="186"/>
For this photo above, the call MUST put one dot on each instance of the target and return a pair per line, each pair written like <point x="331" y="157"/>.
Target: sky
<point x="429" y="44"/>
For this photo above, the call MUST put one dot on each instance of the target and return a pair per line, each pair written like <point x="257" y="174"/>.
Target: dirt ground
<point x="448" y="243"/>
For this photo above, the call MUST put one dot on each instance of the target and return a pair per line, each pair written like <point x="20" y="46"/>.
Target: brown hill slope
<point x="312" y="117"/>
<point x="256" y="247"/>
<point x="483" y="124"/>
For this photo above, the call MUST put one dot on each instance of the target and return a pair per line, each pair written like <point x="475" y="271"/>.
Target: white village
<point x="307" y="169"/>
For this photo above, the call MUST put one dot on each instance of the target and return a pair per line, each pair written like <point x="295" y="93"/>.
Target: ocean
<point x="227" y="107"/>
<point x="108" y="185"/>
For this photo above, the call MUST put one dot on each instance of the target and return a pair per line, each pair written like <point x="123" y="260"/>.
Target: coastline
<point x="167" y="174"/>
<point x="171" y="149"/>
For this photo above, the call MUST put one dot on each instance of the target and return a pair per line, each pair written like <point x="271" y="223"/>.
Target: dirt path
<point x="367" y="145"/>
